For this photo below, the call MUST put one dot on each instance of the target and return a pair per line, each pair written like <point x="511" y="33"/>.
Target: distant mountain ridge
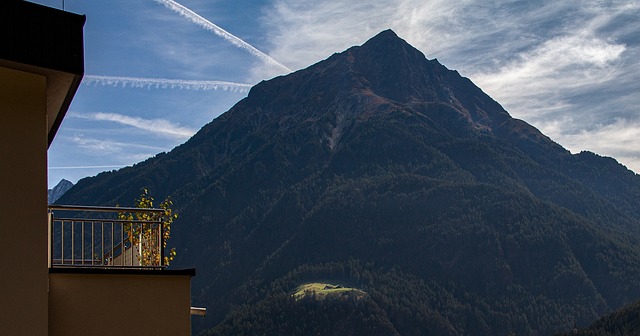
<point x="381" y="170"/>
<point x="62" y="187"/>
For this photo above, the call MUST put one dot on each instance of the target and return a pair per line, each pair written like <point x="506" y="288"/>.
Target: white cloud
<point x="98" y="146"/>
<point x="539" y="78"/>
<point x="303" y="32"/>
<point x="155" y="126"/>
<point x="103" y="147"/>
<point x="87" y="167"/>
<point x="620" y="139"/>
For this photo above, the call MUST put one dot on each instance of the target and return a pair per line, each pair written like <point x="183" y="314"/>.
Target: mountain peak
<point x="62" y="187"/>
<point x="400" y="72"/>
<point x="387" y="44"/>
<point x="386" y="71"/>
<point x="386" y="39"/>
<point x="386" y="34"/>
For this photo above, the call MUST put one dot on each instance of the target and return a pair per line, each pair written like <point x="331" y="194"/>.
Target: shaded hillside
<point x="623" y="322"/>
<point x="385" y="171"/>
<point x="284" y="315"/>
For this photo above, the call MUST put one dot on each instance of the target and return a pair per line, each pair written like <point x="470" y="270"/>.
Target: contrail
<point x="164" y="83"/>
<point x="208" y="25"/>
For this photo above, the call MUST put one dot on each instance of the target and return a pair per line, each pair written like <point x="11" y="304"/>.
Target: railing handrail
<point x="107" y="220"/>
<point x="101" y="208"/>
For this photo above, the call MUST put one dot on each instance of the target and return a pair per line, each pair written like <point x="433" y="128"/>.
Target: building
<point x="41" y="67"/>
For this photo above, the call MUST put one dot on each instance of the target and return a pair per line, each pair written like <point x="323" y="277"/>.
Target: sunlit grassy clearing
<point x="324" y="290"/>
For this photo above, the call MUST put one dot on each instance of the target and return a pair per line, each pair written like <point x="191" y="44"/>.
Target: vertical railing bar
<point x="102" y="245"/>
<point x="93" y="252"/>
<point x="160" y="244"/>
<point x="163" y="243"/>
<point x="61" y="242"/>
<point x="82" y="243"/>
<point x="132" y="249"/>
<point x="73" y="247"/>
<point x="130" y="236"/>
<point x="50" y="238"/>
<point x="141" y="246"/>
<point x="122" y="262"/>
<point x="113" y="238"/>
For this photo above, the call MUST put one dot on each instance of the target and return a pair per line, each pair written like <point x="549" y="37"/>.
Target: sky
<point x="156" y="71"/>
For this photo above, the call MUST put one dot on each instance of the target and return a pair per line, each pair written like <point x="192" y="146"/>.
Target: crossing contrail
<point x="208" y="25"/>
<point x="164" y="83"/>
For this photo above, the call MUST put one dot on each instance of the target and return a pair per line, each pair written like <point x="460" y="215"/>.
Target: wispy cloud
<point x="208" y="25"/>
<point x="87" y="167"/>
<point x="155" y="126"/>
<point x="102" y="147"/>
<point x="164" y="83"/>
<point x="620" y="139"/>
<point x="539" y="79"/>
<point x="305" y="32"/>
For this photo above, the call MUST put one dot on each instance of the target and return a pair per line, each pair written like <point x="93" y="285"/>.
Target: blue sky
<point x="158" y="70"/>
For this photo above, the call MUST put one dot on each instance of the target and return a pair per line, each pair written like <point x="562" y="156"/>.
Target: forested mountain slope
<point x="381" y="170"/>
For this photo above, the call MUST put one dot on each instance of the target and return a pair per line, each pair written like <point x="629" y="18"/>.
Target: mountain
<point x="380" y="170"/>
<point x="62" y="187"/>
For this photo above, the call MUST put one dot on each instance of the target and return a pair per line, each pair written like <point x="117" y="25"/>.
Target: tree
<point x="145" y="229"/>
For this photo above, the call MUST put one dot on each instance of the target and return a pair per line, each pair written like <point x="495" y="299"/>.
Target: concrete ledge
<point x="120" y="271"/>
<point x="108" y="302"/>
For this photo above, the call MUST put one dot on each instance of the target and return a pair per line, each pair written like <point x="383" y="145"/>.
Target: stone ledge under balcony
<point x="122" y="271"/>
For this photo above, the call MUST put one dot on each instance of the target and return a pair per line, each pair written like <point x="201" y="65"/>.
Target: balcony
<point x="106" y="237"/>
<point x="107" y="264"/>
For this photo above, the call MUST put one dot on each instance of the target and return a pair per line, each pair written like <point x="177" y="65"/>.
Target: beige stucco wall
<point x="119" y="304"/>
<point x="23" y="203"/>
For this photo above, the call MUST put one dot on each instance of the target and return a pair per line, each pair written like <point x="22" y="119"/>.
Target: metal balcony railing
<point x="87" y="236"/>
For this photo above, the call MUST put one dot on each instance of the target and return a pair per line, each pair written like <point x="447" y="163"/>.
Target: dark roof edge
<point x="45" y="41"/>
<point x="62" y="112"/>
<point x="42" y="36"/>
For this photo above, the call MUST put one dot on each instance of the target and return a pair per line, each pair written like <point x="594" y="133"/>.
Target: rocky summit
<point x="384" y="172"/>
<point x="59" y="190"/>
